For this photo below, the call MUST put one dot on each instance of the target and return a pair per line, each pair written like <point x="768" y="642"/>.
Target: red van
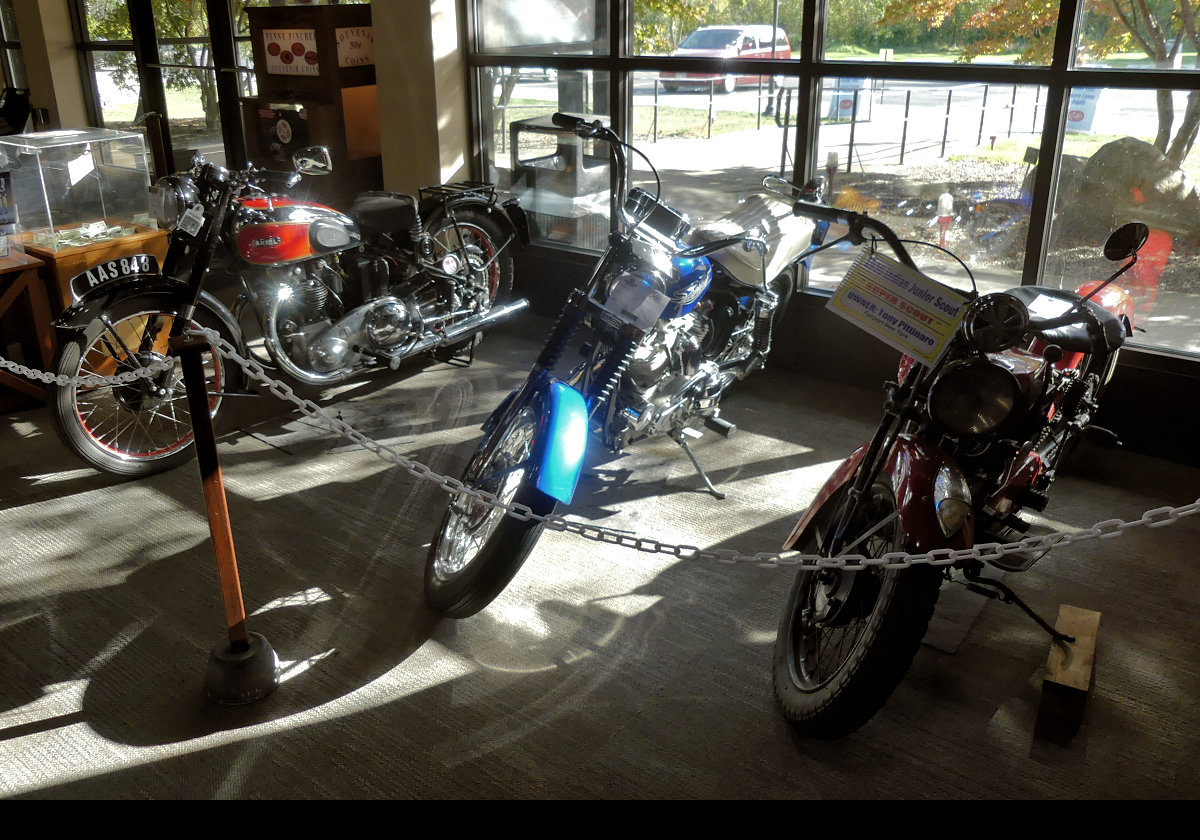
<point x="725" y="42"/>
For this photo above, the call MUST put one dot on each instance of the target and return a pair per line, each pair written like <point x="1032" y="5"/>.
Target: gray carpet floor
<point x="600" y="672"/>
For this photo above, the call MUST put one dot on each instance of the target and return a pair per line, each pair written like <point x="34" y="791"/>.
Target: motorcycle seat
<point x="1044" y="302"/>
<point x="377" y="213"/>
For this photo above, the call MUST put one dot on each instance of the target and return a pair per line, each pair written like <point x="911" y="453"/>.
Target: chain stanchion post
<point x="244" y="668"/>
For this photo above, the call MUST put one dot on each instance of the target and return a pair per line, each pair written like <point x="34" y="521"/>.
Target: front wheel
<point x="478" y="549"/>
<point x="848" y="637"/>
<point x="142" y="427"/>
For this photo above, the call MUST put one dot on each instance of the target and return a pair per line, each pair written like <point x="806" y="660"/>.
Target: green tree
<point x="1159" y="28"/>
<point x="187" y="20"/>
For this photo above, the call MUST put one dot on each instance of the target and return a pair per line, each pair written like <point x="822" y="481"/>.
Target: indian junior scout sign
<point x="901" y="307"/>
<point x="291" y="52"/>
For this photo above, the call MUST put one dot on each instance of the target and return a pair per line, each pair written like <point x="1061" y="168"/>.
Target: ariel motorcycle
<point x="968" y="442"/>
<point x="670" y="318"/>
<point x="333" y="295"/>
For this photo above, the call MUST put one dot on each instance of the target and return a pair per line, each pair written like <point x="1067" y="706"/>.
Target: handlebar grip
<point x="568" y="121"/>
<point x="821" y="212"/>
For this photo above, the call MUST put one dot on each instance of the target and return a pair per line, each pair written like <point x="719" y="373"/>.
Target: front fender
<point x="911" y="470"/>
<point x="84" y="315"/>
<point x="561" y="440"/>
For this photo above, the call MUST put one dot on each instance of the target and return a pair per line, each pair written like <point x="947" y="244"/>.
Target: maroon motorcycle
<point x="333" y="295"/>
<point x="968" y="440"/>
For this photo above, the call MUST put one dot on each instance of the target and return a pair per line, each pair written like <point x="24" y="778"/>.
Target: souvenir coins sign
<point x="291" y="52"/>
<point x="898" y="305"/>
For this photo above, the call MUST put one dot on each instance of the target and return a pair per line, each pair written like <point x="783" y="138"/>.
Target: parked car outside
<point x="727" y="42"/>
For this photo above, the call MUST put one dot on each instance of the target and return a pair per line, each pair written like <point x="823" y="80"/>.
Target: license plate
<point x="116" y="269"/>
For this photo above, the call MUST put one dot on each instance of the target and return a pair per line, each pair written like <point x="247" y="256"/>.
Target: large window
<point x="967" y="123"/>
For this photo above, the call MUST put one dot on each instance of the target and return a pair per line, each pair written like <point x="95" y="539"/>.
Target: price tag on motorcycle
<point x="192" y="220"/>
<point x="900" y="306"/>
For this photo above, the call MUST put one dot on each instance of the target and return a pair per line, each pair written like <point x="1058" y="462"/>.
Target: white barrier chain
<point x="893" y="560"/>
<point x="1107" y="529"/>
<point x="90" y="380"/>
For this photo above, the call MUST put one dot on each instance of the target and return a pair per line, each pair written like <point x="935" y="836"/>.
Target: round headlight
<point x="995" y="322"/>
<point x="169" y="197"/>
<point x="973" y="397"/>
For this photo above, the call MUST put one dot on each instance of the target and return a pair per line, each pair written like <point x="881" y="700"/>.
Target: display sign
<point x="291" y="52"/>
<point x="901" y="307"/>
<point x="355" y="46"/>
<point x="1081" y="109"/>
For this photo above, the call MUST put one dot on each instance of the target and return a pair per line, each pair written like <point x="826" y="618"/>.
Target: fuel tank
<point x="270" y="230"/>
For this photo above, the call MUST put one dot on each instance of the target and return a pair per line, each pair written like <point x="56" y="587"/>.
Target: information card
<point x="898" y="305"/>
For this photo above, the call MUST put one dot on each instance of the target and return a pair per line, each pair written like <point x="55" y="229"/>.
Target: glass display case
<point x="77" y="187"/>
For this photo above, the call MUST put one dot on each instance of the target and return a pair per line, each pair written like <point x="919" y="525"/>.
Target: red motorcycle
<point x="968" y="441"/>
<point x="333" y="294"/>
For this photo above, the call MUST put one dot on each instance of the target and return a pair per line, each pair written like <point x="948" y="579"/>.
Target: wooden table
<point x="65" y="263"/>
<point x="23" y="294"/>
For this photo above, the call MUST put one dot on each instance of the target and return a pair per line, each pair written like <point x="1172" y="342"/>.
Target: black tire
<point x="483" y="235"/>
<point x="670" y="87"/>
<point x="478" y="549"/>
<point x="868" y="624"/>
<point x="144" y="427"/>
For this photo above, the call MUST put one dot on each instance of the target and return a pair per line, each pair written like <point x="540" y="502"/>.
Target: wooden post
<point x="190" y="351"/>
<point x="1068" y="673"/>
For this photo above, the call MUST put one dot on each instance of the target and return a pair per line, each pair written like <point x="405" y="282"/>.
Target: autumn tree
<point x="1159" y="28"/>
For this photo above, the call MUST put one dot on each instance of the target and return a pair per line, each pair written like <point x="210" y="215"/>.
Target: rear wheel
<point x="848" y="637"/>
<point x="472" y="241"/>
<point x="729" y="84"/>
<point x="142" y="427"/>
<point x="478" y="549"/>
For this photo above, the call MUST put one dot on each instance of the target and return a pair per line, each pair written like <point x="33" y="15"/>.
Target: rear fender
<point x="912" y="471"/>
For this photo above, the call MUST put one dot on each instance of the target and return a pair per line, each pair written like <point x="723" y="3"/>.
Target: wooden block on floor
<point x="1068" y="672"/>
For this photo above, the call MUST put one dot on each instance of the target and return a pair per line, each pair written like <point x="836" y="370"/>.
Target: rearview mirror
<point x="1125" y="241"/>
<point x="312" y="160"/>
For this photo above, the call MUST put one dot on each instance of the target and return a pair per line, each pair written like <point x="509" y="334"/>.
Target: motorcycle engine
<point x="668" y="382"/>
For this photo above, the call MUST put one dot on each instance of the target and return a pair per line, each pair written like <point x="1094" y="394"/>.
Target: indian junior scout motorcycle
<point x="972" y="435"/>
<point x="334" y="295"/>
<point x="670" y="318"/>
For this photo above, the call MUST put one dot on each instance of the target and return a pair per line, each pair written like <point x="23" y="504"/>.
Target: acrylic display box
<point x="77" y="187"/>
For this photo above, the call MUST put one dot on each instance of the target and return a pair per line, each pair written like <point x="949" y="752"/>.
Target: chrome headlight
<point x="994" y="322"/>
<point x="951" y="500"/>
<point x="973" y="397"/>
<point x="169" y="197"/>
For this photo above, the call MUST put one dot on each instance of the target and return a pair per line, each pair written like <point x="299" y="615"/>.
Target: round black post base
<point x="236" y="677"/>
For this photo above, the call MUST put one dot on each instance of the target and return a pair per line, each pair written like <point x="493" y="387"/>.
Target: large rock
<point x="1130" y="180"/>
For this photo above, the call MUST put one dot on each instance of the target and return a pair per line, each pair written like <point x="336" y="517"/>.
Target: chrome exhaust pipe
<point x="451" y="334"/>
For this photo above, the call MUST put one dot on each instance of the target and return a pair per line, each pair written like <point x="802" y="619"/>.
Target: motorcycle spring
<point x="564" y="328"/>
<point x="1073" y="394"/>
<point x="613" y="369"/>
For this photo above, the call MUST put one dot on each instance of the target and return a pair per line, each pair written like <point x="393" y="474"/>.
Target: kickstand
<point x="678" y="437"/>
<point x="1007" y="596"/>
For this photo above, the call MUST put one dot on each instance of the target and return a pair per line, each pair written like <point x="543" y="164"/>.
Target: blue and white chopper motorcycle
<point x="671" y="317"/>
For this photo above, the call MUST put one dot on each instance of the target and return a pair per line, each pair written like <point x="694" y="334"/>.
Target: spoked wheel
<point x="479" y="549"/>
<point x="138" y="428"/>
<point x="848" y="637"/>
<point x="476" y="239"/>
